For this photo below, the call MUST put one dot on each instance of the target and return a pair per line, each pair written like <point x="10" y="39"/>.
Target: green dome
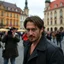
<point x="47" y="1"/>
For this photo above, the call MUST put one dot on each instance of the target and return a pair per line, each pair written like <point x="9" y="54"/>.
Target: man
<point x="10" y="51"/>
<point x="39" y="50"/>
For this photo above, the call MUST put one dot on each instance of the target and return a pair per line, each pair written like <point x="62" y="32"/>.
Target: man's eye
<point x="34" y="29"/>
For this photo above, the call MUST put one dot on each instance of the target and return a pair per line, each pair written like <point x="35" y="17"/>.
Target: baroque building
<point x="9" y="15"/>
<point x="54" y="15"/>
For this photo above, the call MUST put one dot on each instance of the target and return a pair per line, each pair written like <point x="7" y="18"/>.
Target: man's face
<point x="14" y="31"/>
<point x="33" y="32"/>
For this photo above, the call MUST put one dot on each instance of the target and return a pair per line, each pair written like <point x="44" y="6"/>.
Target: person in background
<point x="59" y="38"/>
<point x="24" y="38"/>
<point x="53" y="37"/>
<point x="39" y="50"/>
<point x="48" y="35"/>
<point x="10" y="51"/>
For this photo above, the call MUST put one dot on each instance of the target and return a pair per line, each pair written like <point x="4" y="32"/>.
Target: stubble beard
<point x="34" y="39"/>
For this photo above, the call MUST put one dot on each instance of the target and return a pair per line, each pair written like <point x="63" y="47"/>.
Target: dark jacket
<point x="10" y="46"/>
<point x="44" y="53"/>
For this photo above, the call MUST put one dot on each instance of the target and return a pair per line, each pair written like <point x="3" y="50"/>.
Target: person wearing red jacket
<point x="24" y="38"/>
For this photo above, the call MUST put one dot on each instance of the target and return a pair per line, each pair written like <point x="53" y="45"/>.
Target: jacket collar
<point x="42" y="44"/>
<point x="40" y="47"/>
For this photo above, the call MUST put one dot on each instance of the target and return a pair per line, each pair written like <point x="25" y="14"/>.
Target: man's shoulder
<point x="52" y="49"/>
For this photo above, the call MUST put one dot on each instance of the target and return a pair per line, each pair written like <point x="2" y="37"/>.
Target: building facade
<point x="54" y="15"/>
<point x="9" y="15"/>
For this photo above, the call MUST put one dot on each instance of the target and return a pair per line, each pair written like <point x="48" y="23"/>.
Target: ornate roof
<point x="10" y="6"/>
<point x="58" y="4"/>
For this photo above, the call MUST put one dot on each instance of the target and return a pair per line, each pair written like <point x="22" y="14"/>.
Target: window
<point x="2" y="21"/>
<point x="12" y="9"/>
<point x="7" y="14"/>
<point x="55" y="29"/>
<point x="10" y="22"/>
<point x="10" y="14"/>
<point x="48" y="15"/>
<point x="7" y="22"/>
<point x="51" y="22"/>
<point x="14" y="23"/>
<point x="47" y="21"/>
<point x="51" y="14"/>
<point x="51" y="29"/>
<point x="2" y="13"/>
<point x="55" y="22"/>
<point x="47" y="29"/>
<point x="61" y="4"/>
<point x="8" y="8"/>
<point x="61" y="12"/>
<point x="61" y="21"/>
<point x="55" y="6"/>
<point x="55" y="14"/>
<point x="16" y="10"/>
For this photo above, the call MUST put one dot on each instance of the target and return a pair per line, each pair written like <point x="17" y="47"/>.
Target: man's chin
<point x="32" y="41"/>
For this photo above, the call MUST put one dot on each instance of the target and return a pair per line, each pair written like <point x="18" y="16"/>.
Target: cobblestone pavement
<point x="19" y="59"/>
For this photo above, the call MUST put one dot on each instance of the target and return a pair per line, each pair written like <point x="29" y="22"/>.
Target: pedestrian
<point x="10" y="51"/>
<point x="53" y="37"/>
<point x="39" y="50"/>
<point x="24" y="38"/>
<point x="59" y="38"/>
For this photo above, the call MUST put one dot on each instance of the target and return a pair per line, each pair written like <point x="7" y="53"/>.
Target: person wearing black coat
<point x="38" y="49"/>
<point x="10" y="51"/>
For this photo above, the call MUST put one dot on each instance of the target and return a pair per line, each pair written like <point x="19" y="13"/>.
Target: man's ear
<point x="42" y="29"/>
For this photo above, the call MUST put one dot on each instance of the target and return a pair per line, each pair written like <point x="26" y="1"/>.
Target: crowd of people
<point x="56" y="37"/>
<point x="37" y="48"/>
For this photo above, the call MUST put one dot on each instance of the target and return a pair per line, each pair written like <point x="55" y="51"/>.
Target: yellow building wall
<point x="12" y="17"/>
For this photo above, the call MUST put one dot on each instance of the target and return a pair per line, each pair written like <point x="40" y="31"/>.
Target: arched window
<point x="47" y="29"/>
<point x="51" y="29"/>
<point x="55" y="29"/>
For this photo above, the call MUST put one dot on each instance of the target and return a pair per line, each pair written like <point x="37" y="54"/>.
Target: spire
<point x="26" y="7"/>
<point x="47" y="1"/>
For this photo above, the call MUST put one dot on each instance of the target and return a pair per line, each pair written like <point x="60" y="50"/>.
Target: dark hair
<point x="9" y="33"/>
<point x="36" y="20"/>
<point x="13" y="28"/>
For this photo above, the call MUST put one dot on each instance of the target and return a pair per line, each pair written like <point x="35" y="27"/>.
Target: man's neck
<point x="33" y="45"/>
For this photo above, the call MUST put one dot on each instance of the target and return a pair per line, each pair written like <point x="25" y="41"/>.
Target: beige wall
<point x="46" y="16"/>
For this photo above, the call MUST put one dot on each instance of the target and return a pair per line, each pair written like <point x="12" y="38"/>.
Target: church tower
<point x="47" y="2"/>
<point x="26" y="10"/>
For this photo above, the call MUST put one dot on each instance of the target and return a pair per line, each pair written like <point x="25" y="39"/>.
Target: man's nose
<point x="30" y="32"/>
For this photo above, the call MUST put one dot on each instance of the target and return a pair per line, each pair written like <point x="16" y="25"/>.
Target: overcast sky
<point x="36" y="7"/>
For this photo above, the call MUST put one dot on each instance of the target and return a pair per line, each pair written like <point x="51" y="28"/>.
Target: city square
<point x="19" y="59"/>
<point x="13" y="16"/>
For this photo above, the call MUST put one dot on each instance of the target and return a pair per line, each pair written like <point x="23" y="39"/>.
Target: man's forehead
<point x="31" y="26"/>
